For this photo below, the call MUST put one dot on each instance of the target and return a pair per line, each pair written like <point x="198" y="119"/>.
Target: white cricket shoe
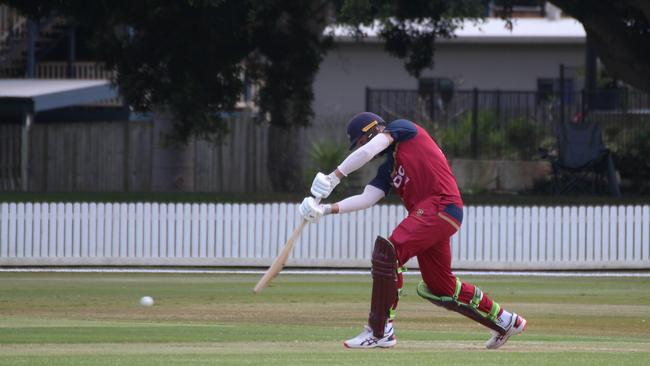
<point x="517" y="325"/>
<point x="367" y="340"/>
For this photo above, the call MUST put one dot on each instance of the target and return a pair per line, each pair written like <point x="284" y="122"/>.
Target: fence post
<point x="498" y="105"/>
<point x="45" y="159"/>
<point x="474" y="138"/>
<point x="127" y="153"/>
<point x="24" y="152"/>
<point x="562" y="93"/>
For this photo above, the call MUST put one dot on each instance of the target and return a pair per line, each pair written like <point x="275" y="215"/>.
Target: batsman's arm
<point x="364" y="154"/>
<point x="323" y="185"/>
<point x="370" y="196"/>
<point x="311" y="210"/>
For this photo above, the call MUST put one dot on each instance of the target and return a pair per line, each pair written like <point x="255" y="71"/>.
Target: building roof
<point x="493" y="30"/>
<point x="46" y="94"/>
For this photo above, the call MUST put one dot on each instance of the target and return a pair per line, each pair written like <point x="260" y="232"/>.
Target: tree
<point x="190" y="56"/>
<point x="619" y="30"/>
<point x="620" y="34"/>
<point x="410" y="28"/>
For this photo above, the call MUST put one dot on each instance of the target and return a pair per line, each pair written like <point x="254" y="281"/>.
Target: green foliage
<point x="456" y="138"/>
<point x="191" y="56"/>
<point x="615" y="30"/>
<point x="410" y="28"/>
<point x="522" y="138"/>
<point x="325" y="156"/>
<point x="633" y="163"/>
<point x="516" y="138"/>
<point x="640" y="146"/>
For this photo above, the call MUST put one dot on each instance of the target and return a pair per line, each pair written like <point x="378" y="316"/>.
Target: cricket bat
<point x="280" y="261"/>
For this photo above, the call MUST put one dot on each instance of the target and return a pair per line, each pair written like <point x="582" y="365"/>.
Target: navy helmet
<point x="362" y="124"/>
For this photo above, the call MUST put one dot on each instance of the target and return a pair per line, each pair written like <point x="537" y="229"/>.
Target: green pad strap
<point x="392" y="312"/>
<point x="487" y="319"/>
<point x="457" y="290"/>
<point x="494" y="312"/>
<point x="424" y="292"/>
<point x="476" y="300"/>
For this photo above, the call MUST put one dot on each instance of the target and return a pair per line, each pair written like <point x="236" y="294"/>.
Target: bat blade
<point x="280" y="260"/>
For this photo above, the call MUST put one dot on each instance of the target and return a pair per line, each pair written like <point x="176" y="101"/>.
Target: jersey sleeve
<point x="401" y="130"/>
<point x="382" y="179"/>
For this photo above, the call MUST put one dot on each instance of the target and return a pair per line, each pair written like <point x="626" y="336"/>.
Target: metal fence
<point x="491" y="237"/>
<point x="497" y="124"/>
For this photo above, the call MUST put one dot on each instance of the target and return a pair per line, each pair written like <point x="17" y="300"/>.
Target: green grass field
<point x="95" y="319"/>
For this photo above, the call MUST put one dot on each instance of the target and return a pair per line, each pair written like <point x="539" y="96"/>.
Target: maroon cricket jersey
<point x="416" y="168"/>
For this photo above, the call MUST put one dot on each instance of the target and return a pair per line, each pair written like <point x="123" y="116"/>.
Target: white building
<point x="487" y="56"/>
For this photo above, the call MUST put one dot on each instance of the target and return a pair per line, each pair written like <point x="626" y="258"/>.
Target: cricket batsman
<point x="418" y="171"/>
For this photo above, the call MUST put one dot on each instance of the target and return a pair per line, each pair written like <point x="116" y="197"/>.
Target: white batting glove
<point x="323" y="185"/>
<point x="312" y="211"/>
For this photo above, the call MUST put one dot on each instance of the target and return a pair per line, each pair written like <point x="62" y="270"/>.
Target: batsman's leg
<point x="469" y="309"/>
<point x="442" y="288"/>
<point x="384" y="285"/>
<point x="385" y="280"/>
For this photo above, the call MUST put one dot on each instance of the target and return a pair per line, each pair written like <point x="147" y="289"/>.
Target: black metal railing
<point x="498" y="124"/>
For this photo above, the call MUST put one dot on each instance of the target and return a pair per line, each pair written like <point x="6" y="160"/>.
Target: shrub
<point x="522" y="138"/>
<point x="324" y="156"/>
<point x="456" y="139"/>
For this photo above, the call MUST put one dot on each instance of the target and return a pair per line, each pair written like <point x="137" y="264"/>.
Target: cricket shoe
<point x="517" y="325"/>
<point x="367" y="340"/>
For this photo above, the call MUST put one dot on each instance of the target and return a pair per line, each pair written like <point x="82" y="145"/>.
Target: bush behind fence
<point x="513" y="124"/>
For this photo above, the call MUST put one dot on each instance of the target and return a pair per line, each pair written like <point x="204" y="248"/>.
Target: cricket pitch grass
<point x="95" y="319"/>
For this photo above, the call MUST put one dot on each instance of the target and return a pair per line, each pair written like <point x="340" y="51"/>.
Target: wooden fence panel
<point x="10" y="156"/>
<point x="140" y="156"/>
<point x="103" y="156"/>
<point x="118" y="156"/>
<point x="238" y="163"/>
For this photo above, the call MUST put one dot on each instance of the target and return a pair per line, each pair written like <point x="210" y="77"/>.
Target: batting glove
<point x="323" y="185"/>
<point x="312" y="211"/>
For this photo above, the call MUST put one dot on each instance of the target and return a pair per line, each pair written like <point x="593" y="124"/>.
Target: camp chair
<point x="582" y="164"/>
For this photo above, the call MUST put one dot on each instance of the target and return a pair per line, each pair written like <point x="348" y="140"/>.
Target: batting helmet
<point x="363" y="124"/>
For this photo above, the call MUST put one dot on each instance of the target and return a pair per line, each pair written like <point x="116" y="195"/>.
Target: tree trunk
<point x="284" y="159"/>
<point x="622" y="50"/>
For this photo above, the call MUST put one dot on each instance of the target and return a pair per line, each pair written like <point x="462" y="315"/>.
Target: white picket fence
<point x="522" y="238"/>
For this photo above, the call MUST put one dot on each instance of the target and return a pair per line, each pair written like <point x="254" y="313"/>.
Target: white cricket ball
<point x="146" y="301"/>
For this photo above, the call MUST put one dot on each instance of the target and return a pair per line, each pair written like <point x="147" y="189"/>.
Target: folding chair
<point x="583" y="164"/>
